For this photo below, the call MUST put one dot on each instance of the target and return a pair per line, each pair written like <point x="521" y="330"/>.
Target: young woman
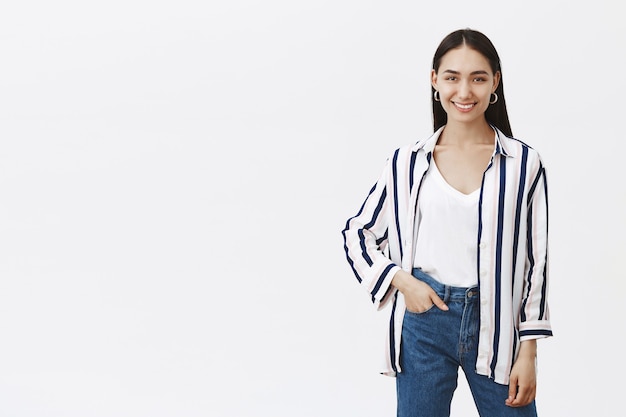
<point x="453" y="238"/>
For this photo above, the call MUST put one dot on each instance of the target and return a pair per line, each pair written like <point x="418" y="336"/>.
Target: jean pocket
<point x="419" y="313"/>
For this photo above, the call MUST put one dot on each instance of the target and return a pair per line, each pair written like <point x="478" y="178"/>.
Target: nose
<point x="464" y="90"/>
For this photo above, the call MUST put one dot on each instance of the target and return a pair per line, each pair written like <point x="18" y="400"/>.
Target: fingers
<point x="525" y="395"/>
<point x="419" y="303"/>
<point x="520" y="396"/>
<point x="438" y="301"/>
<point x="512" y="391"/>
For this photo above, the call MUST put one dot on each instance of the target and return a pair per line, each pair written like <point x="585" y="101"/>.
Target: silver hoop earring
<point x="436" y="96"/>
<point x="495" y="98"/>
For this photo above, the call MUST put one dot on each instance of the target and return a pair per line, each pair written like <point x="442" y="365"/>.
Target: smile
<point x="464" y="106"/>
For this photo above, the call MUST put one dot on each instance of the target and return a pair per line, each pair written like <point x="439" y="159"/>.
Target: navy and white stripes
<point x="512" y="262"/>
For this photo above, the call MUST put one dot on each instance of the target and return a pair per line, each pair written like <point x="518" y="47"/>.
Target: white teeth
<point x="464" y="106"/>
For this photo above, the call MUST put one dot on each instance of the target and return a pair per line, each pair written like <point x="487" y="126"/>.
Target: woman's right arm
<point x="365" y="236"/>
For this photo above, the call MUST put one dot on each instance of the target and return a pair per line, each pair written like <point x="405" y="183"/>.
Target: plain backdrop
<point x="174" y="178"/>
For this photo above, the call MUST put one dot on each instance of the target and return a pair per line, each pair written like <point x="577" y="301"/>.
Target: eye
<point x="451" y="78"/>
<point x="479" y="79"/>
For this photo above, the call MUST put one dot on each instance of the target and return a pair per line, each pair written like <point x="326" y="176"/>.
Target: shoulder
<point x="403" y="152"/>
<point x="408" y="156"/>
<point x="405" y="158"/>
<point x="397" y="155"/>
<point x="417" y="149"/>
<point x="518" y="148"/>
<point x="523" y="157"/>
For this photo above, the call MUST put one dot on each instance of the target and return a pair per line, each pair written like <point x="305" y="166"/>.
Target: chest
<point x="463" y="169"/>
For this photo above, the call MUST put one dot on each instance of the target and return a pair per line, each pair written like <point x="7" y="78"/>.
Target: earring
<point x="495" y="98"/>
<point x="436" y="96"/>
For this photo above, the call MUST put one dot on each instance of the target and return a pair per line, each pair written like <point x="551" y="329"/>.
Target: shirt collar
<point x="428" y="145"/>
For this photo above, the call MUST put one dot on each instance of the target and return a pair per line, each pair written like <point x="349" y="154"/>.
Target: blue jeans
<point x="434" y="344"/>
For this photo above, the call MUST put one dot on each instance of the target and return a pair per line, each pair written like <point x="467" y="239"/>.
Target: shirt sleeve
<point x="365" y="239"/>
<point x="534" y="314"/>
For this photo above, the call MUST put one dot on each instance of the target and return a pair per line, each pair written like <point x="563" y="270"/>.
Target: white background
<point x="174" y="177"/>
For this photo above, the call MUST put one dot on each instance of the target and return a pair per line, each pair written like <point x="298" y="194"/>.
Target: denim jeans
<point x="435" y="344"/>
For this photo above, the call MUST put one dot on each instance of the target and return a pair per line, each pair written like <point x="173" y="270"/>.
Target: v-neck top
<point x="446" y="246"/>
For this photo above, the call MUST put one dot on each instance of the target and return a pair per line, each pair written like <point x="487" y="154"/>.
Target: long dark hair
<point x="496" y="114"/>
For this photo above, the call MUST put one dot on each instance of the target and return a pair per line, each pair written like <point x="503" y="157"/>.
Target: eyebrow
<point x="449" y="71"/>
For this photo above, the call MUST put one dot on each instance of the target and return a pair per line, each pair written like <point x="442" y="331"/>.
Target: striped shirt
<point x="512" y="261"/>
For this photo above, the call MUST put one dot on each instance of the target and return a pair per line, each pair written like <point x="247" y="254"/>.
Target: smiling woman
<point x="487" y="68"/>
<point x="463" y="86"/>
<point x="453" y="237"/>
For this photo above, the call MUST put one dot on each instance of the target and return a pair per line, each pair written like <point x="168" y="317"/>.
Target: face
<point x="465" y="82"/>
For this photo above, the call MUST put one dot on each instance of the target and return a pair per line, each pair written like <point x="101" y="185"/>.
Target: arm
<point x="534" y="314"/>
<point x="365" y="235"/>
<point x="534" y="320"/>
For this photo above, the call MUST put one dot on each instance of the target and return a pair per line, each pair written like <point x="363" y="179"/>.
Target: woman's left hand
<point x="523" y="381"/>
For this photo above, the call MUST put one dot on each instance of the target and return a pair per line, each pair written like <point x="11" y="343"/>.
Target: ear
<point x="496" y="81"/>
<point x="433" y="79"/>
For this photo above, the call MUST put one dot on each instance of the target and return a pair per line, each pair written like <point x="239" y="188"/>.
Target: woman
<point x="453" y="237"/>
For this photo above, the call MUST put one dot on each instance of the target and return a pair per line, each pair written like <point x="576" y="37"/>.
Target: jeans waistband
<point x="447" y="291"/>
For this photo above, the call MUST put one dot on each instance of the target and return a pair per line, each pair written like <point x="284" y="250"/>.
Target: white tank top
<point x="447" y="246"/>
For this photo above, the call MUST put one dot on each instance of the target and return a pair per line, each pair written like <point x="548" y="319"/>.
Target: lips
<point x="464" y="107"/>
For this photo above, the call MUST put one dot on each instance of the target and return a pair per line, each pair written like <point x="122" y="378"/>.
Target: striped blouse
<point x="512" y="261"/>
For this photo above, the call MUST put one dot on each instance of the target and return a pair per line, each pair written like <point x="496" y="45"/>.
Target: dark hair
<point x="496" y="113"/>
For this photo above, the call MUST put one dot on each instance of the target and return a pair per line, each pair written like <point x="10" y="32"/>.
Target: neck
<point x="462" y="133"/>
